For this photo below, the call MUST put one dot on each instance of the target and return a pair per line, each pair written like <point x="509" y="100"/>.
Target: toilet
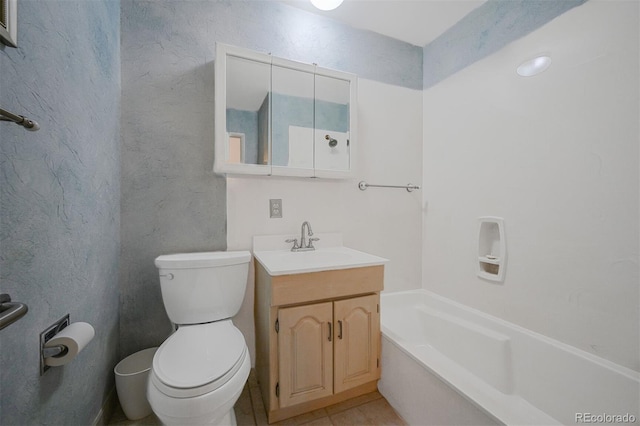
<point x="198" y="373"/>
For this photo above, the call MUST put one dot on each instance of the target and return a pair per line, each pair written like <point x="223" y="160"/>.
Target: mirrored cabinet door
<point x="332" y="140"/>
<point x="292" y="118"/>
<point x="280" y="117"/>
<point x="244" y="111"/>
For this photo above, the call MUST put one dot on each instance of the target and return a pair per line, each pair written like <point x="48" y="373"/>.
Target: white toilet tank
<point x="203" y="287"/>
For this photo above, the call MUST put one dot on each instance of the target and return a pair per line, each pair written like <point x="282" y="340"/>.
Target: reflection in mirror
<point x="281" y="117"/>
<point x="247" y="107"/>
<point x="292" y="119"/>
<point x="331" y="136"/>
<point x="236" y="148"/>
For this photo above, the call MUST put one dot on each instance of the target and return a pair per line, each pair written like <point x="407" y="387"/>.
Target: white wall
<point x="556" y="155"/>
<point x="384" y="222"/>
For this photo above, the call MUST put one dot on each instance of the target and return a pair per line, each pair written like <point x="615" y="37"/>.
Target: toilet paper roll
<point x="75" y="337"/>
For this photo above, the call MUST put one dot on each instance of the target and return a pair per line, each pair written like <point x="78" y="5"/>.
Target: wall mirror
<point x="281" y="117"/>
<point x="245" y="113"/>
<point x="332" y="147"/>
<point x="292" y="118"/>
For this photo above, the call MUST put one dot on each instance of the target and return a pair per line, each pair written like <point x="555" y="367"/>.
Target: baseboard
<point x="107" y="409"/>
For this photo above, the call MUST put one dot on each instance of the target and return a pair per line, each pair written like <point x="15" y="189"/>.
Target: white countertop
<point x="327" y="256"/>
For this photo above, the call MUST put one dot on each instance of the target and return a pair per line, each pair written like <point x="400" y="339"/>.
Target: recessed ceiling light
<point x="534" y="66"/>
<point x="326" y="4"/>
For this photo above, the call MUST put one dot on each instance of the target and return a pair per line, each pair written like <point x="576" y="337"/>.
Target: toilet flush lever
<point x="169" y="276"/>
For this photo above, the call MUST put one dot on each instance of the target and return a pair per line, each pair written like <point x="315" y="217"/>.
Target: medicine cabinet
<point x="278" y="117"/>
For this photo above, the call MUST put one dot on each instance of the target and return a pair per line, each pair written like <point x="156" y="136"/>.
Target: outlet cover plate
<point x="275" y="208"/>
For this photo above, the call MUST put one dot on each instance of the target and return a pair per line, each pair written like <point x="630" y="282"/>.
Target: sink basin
<point x="285" y="262"/>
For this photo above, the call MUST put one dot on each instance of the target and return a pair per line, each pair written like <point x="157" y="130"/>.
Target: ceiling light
<point x="326" y="4"/>
<point x="534" y="66"/>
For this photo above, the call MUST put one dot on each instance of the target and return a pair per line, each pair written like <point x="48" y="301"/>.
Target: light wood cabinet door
<point x="357" y="342"/>
<point x="305" y="353"/>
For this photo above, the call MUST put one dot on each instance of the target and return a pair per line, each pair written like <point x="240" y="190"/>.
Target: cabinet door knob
<point x="340" y="329"/>
<point x="329" y="331"/>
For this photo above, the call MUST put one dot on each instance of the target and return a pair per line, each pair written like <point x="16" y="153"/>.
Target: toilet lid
<point x="199" y="355"/>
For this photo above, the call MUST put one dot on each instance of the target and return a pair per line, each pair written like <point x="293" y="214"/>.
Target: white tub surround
<point x="557" y="156"/>
<point x="513" y="375"/>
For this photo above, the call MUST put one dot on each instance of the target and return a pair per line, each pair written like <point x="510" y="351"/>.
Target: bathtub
<point x="446" y="363"/>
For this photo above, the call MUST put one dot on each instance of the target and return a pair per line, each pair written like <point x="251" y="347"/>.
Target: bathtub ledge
<point x="505" y="409"/>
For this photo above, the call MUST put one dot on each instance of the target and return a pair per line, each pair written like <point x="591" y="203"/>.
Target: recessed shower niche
<point x="492" y="248"/>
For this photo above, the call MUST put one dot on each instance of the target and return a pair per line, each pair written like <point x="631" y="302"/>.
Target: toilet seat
<point x="198" y="359"/>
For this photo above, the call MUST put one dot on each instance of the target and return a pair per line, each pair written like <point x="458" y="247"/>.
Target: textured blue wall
<point x="171" y="200"/>
<point x="291" y="33"/>
<point x="60" y="205"/>
<point x="486" y="30"/>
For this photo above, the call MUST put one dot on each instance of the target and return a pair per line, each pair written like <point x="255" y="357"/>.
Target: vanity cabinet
<point x="357" y="342"/>
<point x="327" y="348"/>
<point x="305" y="353"/>
<point x="318" y="337"/>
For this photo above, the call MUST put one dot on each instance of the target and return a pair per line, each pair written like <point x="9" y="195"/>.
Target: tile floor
<point x="369" y="409"/>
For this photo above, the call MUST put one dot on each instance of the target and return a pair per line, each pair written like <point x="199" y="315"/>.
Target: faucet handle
<point x="311" y="240"/>
<point x="294" y="241"/>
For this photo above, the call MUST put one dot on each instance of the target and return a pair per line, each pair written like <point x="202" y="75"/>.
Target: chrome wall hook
<point x="21" y="120"/>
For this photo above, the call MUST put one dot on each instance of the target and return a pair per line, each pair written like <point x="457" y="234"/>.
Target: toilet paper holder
<point x="58" y="350"/>
<point x="53" y="351"/>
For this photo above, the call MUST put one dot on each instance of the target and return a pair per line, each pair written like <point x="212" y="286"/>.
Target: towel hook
<point x="21" y="120"/>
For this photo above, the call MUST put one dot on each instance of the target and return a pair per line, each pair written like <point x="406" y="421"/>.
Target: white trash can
<point x="131" y="383"/>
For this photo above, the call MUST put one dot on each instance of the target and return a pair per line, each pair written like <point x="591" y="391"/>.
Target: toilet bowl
<point x="199" y="372"/>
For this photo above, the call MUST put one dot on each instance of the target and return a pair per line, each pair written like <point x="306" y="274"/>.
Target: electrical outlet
<point x="275" y="208"/>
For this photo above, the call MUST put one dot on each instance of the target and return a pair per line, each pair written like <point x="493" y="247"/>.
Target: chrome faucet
<point x="302" y="236"/>
<point x="304" y="245"/>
